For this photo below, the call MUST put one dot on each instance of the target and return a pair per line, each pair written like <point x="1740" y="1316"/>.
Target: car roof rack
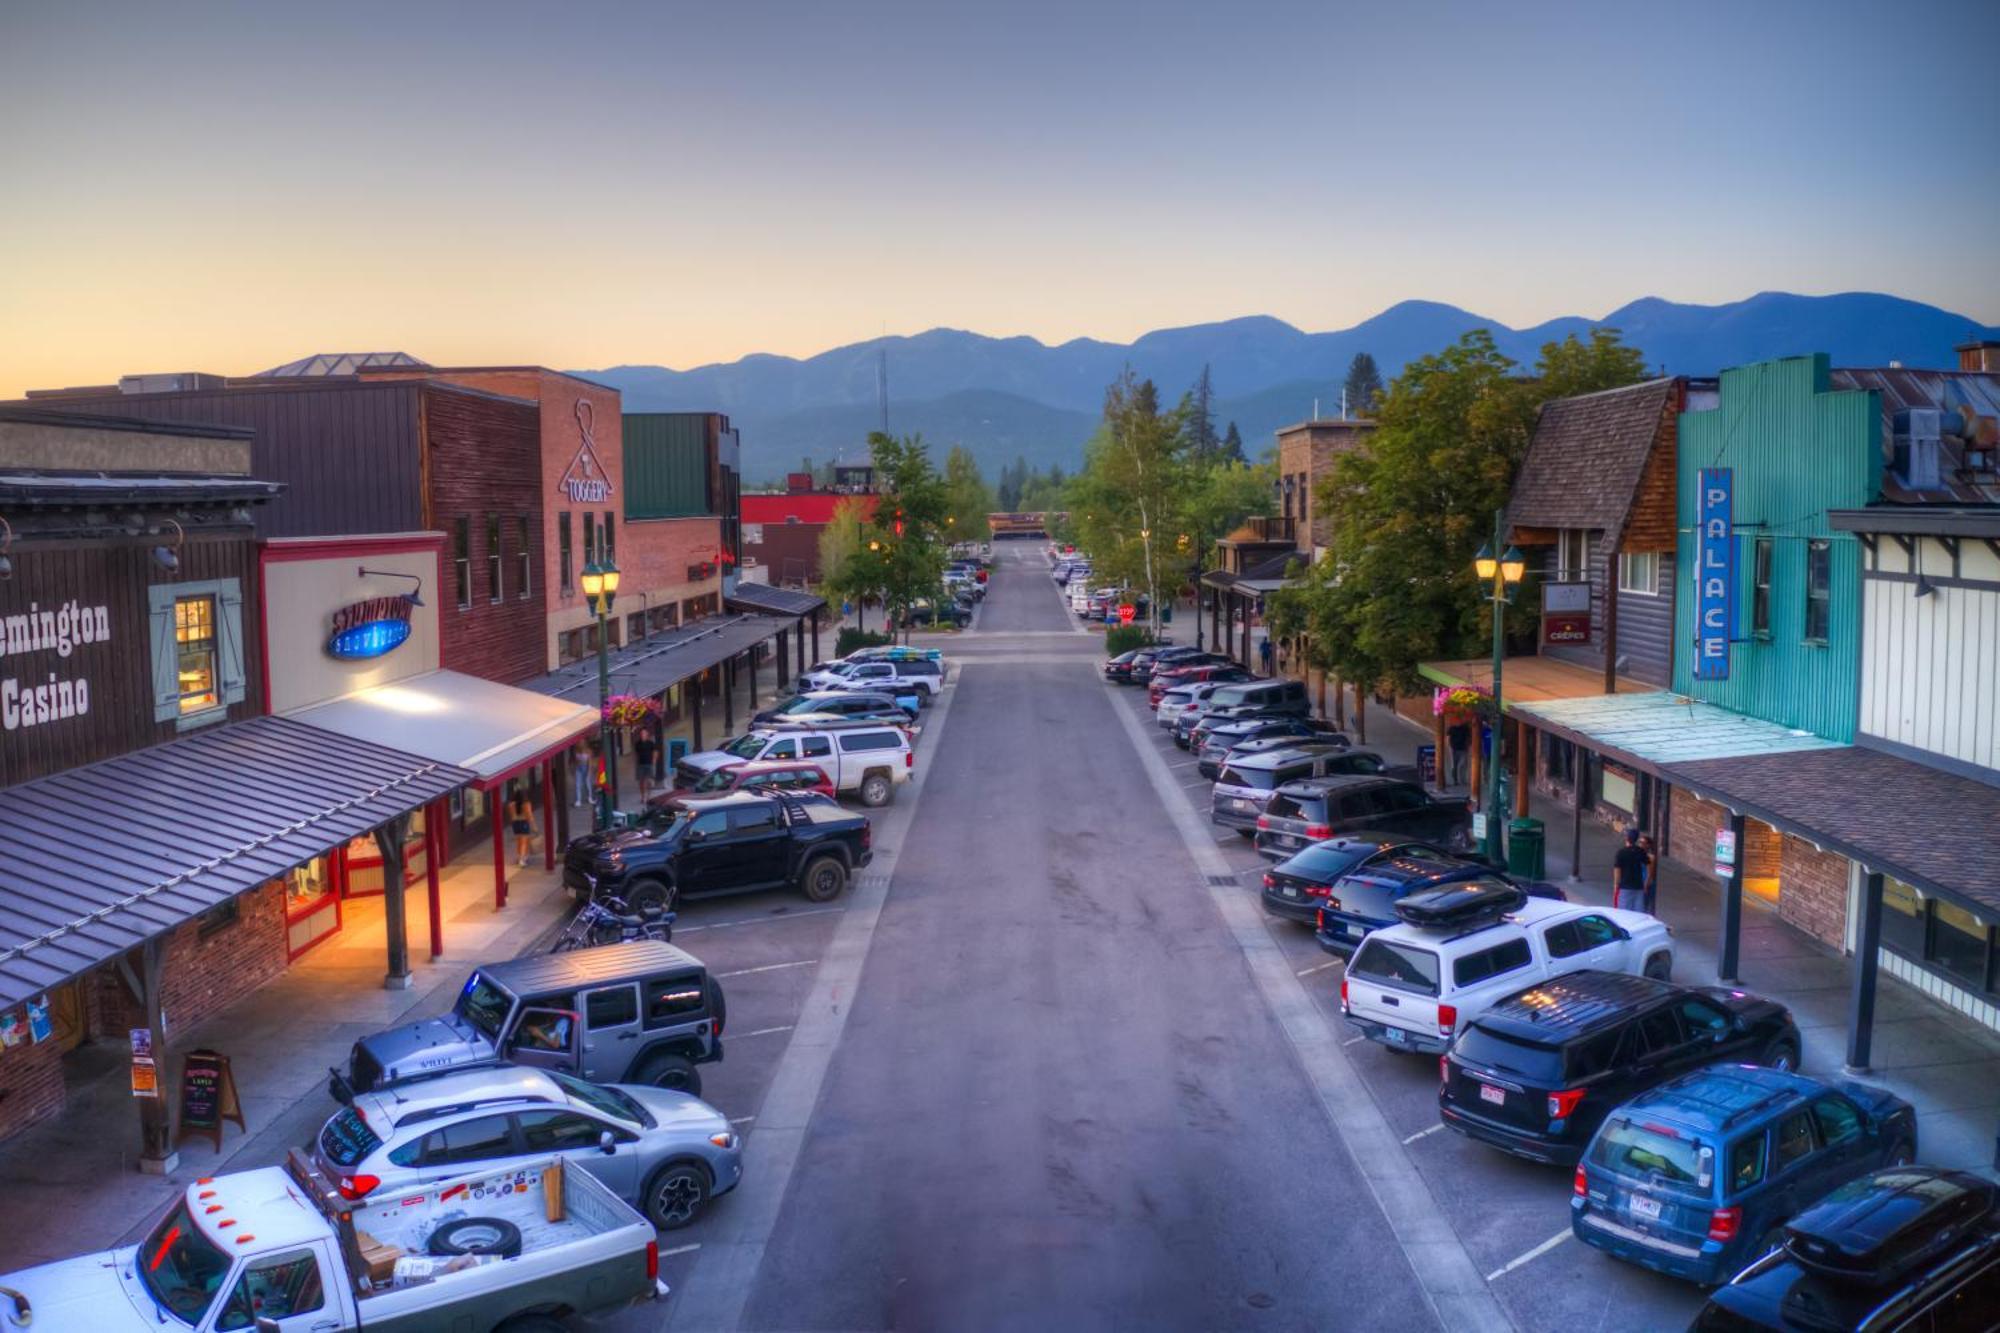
<point x="1878" y="1229"/>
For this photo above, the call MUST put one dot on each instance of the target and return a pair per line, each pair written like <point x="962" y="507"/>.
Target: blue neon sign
<point x="368" y="629"/>
<point x="1715" y="573"/>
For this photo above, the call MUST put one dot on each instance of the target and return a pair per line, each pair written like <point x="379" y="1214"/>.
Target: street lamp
<point x="1503" y="572"/>
<point x="600" y="589"/>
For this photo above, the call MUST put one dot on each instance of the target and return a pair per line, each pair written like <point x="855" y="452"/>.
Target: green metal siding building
<point x="1796" y="450"/>
<point x="667" y="464"/>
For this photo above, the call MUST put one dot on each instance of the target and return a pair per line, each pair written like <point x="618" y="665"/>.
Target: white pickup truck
<point x="278" y="1250"/>
<point x="868" y="760"/>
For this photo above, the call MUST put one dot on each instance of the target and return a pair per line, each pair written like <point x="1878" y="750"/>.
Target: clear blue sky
<point x="228" y="187"/>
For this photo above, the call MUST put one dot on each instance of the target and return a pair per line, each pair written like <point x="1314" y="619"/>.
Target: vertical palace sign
<point x="1714" y="573"/>
<point x="584" y="482"/>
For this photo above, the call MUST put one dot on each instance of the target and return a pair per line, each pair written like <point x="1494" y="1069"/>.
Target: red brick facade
<point x="1813" y="895"/>
<point x="31" y="1080"/>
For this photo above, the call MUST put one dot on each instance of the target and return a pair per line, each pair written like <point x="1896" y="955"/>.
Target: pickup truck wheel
<point x="651" y="893"/>
<point x="676" y="1195"/>
<point x="1782" y="1056"/>
<point x="876" y="790"/>
<point x="823" y="879"/>
<point x="676" y="1073"/>
<point x="477" y="1235"/>
<point x="1660" y="966"/>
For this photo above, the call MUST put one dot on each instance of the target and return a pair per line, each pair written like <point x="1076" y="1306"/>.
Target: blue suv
<point x="1697" y="1177"/>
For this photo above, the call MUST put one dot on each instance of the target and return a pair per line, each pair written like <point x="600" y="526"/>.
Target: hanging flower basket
<point x="629" y="710"/>
<point x="1461" y="704"/>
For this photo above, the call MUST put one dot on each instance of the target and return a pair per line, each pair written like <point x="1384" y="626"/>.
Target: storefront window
<point x="1819" y="590"/>
<point x="1902" y="918"/>
<point x="194" y="634"/>
<point x="1958" y="943"/>
<point x="461" y="560"/>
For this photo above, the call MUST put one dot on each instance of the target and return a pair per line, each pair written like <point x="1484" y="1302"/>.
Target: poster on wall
<point x="145" y="1079"/>
<point x="12" y="1030"/>
<point x="40" y="1026"/>
<point x="1715" y="573"/>
<point x="1725" y="853"/>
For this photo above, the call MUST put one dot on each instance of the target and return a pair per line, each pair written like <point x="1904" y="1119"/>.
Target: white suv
<point x="1410" y="986"/>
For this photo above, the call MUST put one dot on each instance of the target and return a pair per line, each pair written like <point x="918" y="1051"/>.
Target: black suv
<point x="1360" y="791"/>
<point x="1908" y="1248"/>
<point x="725" y="844"/>
<point x="1537" y="1073"/>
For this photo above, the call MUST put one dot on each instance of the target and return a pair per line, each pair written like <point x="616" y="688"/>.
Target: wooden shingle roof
<point x="1587" y="456"/>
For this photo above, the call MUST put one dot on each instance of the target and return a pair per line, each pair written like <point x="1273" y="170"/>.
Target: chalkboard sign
<point x="208" y="1096"/>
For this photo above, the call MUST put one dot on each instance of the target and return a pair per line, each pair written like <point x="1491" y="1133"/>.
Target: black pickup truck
<point x="728" y="844"/>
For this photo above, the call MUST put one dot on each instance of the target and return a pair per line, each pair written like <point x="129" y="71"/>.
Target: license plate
<point x="1489" y="1093"/>
<point x="1289" y="891"/>
<point x="1243" y="805"/>
<point x="1645" y="1207"/>
<point x="1396" y="1035"/>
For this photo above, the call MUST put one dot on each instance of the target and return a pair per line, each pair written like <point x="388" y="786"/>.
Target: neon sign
<point x="368" y="629"/>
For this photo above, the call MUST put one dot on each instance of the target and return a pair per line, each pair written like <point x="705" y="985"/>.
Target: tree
<point x="968" y="499"/>
<point x="1232" y="445"/>
<point x="1013" y="480"/>
<point x="848" y="570"/>
<point x="1570" y="367"/>
<point x="1364" y="385"/>
<point x="1197" y="414"/>
<point x="906" y="534"/>
<point x="1124" y="499"/>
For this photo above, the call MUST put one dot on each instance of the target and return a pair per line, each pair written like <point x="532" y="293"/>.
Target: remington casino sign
<point x="48" y="696"/>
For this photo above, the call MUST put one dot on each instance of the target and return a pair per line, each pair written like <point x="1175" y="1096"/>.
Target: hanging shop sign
<point x="1565" y="613"/>
<point x="583" y="481"/>
<point x="1725" y="853"/>
<point x="1715" y="573"/>
<point x="60" y="630"/>
<point x="371" y="628"/>
<point x="40" y="1026"/>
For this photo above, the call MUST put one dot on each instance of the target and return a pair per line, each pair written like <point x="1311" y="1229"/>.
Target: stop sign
<point x="1126" y="611"/>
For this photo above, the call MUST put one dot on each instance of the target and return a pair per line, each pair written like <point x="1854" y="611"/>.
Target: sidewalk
<point x="71" y="1182"/>
<point x="1940" y="1061"/>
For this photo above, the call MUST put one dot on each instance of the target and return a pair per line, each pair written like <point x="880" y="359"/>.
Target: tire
<point x="1902" y="1154"/>
<point x="1246" y="833"/>
<point x="823" y="879"/>
<point x="652" y="893"/>
<point x="1660" y="966"/>
<point x="877" y="790"/>
<point x="1781" y="1055"/>
<point x="676" y="1073"/>
<point x="476" y="1235"/>
<point x="676" y="1195"/>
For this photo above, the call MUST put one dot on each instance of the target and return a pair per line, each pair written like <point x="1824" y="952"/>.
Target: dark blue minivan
<point x="1696" y="1177"/>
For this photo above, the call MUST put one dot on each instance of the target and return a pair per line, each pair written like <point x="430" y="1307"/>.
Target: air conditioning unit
<point x="181" y="381"/>
<point x="1919" y="445"/>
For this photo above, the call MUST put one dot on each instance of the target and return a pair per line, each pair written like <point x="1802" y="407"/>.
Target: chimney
<point x="1981" y="354"/>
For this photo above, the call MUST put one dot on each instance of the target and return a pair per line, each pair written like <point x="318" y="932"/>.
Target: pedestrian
<point x="1652" y="873"/>
<point x="1264" y="654"/>
<point x="1459" y="736"/>
<point x="521" y="820"/>
<point x="643" y="748"/>
<point x="579" y="772"/>
<point x="1628" y="874"/>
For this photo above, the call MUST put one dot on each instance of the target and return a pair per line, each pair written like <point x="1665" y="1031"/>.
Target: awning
<point x="1659" y="729"/>
<point x="654" y="664"/>
<point x="102" y="858"/>
<point x="489" y="728"/>
<point x="1933" y="830"/>
<point x="772" y="601"/>
<point x="1529" y="681"/>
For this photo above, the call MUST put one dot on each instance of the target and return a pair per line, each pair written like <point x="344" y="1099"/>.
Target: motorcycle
<point x="610" y="921"/>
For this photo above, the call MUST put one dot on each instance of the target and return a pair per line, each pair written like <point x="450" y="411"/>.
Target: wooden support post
<point x="1438" y="744"/>
<point x="694" y="691"/>
<point x="1867" y="963"/>
<point x="784" y="655"/>
<point x="157" y="1156"/>
<point x="549" y="807"/>
<point x="1475" y="775"/>
<point x="1524" y="765"/>
<point x="433" y="853"/>
<point x="1579" y="783"/>
<point x="729" y="697"/>
<point x="815" y="620"/>
<point x="395" y="923"/>
<point x="495" y="815"/>
<point x="750" y="669"/>
<point x="1361" y="712"/>
<point x="1322" y="692"/>
<point x="565" y="787"/>
<point x="799" y="643"/>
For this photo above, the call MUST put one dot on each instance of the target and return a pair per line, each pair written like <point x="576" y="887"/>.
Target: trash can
<point x="1525" y="848"/>
<point x="677" y="748"/>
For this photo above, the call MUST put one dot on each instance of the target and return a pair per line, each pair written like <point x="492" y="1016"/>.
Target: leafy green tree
<point x="907" y="534"/>
<point x="1041" y="492"/>
<point x="968" y="499"/>
<point x="848" y="570"/>
<point x="1364" y="384"/>
<point x="1571" y="367"/>
<point x="1133" y="473"/>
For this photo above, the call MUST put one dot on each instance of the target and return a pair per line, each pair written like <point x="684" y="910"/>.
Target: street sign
<point x="1566" y="612"/>
<point x="1715" y="573"/>
<point x="1725" y="853"/>
<point x="1126" y="612"/>
<point x="1478" y="826"/>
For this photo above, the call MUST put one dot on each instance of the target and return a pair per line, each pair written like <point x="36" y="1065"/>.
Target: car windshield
<point x="1539" y="1064"/>
<point x="1662" y="1155"/>
<point x="484" y="1005"/>
<point x="1258" y="779"/>
<point x="1393" y="963"/>
<point x="804" y="703"/>
<point x="610" y="1101"/>
<point x="722" y="779"/>
<point x="746" y="747"/>
<point x="1326" y="860"/>
<point x="180" y="1267"/>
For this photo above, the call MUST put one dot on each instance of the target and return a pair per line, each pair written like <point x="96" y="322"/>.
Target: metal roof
<point x="1662" y="728"/>
<point x="775" y="601"/>
<point x="651" y="665"/>
<point x="322" y="364"/>
<point x="538" y="973"/>
<point x="489" y="728"/>
<point x="69" y="489"/>
<point x="101" y="858"/>
<point x="1971" y="403"/>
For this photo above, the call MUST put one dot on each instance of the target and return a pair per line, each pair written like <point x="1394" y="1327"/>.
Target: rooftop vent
<point x="1919" y="445"/>
<point x="182" y="381"/>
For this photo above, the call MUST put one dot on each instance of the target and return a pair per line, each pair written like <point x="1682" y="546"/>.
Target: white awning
<point x="489" y="728"/>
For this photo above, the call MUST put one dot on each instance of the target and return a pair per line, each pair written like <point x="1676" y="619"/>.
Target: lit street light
<point x="600" y="589"/>
<point x="1504" y="572"/>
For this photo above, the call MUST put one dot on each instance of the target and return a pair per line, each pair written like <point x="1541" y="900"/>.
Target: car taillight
<point x="1723" y="1222"/>
<point x="1447" y="1019"/>
<point x="358" y="1187"/>
<point x="1318" y="891"/>
<point x="1319" y="831"/>
<point x="867" y="834"/>
<point x="909" y="759"/>
<point x="1263" y="823"/>
<point x="652" y="1261"/>
<point x="1562" y="1103"/>
<point x="1343" y="992"/>
<point x="1269" y="882"/>
<point x="1319" y="917"/>
<point x="1580" y="1186"/>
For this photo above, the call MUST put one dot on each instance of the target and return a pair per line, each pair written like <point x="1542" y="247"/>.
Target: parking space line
<point x="1318" y="967"/>
<point x="1424" y="1134"/>
<point x="680" y="1249"/>
<point x="1530" y="1256"/>
<point x="768" y="967"/>
<point x="760" y="1032"/>
<point x="742" y="1119"/>
<point x="757" y="920"/>
<point x="1351" y="1040"/>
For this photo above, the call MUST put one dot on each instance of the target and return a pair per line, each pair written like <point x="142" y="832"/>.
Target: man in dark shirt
<point x="1459" y="737"/>
<point x="1628" y="874"/>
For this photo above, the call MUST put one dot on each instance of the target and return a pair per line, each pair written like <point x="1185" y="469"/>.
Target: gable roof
<point x="1587" y="456"/>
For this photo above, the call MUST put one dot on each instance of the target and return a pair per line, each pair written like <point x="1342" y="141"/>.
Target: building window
<point x="1639" y="572"/>
<point x="524" y="561"/>
<point x="495" y="559"/>
<point x="1819" y="589"/>
<point x="461" y="560"/>
<point x="563" y="548"/>
<point x="589" y="539"/>
<point x="1959" y="943"/>
<point x="1572" y="555"/>
<point x="1903" y="917"/>
<point x="1760" y="588"/>
<point x="196" y="648"/>
<point x="606" y="540"/>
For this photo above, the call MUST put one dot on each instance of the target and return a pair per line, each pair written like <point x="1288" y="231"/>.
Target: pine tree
<point x="1198" y="417"/>
<point x="1232" y="445"/>
<point x="1364" y="385"/>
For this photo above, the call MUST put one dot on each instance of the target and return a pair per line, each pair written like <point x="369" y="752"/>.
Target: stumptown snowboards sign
<point x="60" y="630"/>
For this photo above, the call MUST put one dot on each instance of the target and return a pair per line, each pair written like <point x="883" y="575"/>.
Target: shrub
<point x="851" y="639"/>
<point x="1124" y="638"/>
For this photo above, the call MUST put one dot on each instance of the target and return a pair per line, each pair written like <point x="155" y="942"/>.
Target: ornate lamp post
<point x="600" y="588"/>
<point x="1503" y="572"/>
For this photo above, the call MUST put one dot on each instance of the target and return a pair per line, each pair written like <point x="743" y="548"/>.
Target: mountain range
<point x="1009" y="397"/>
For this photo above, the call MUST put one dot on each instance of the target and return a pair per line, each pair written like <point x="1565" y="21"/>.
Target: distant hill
<point x="1004" y="397"/>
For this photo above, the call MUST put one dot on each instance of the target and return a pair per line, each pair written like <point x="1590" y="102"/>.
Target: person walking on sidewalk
<point x="1264" y="655"/>
<point x="1628" y="874"/>
<point x="643" y="748"/>
<point x="579" y="773"/>
<point x="521" y="821"/>
<point x="1459" y="736"/>
<point x="1652" y="873"/>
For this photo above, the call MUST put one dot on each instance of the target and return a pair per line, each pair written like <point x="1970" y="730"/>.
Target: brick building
<point x="1306" y="454"/>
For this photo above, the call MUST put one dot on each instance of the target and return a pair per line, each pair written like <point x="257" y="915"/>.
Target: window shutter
<point x="229" y="639"/>
<point x="166" y="655"/>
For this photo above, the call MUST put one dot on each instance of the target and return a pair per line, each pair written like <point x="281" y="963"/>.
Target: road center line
<point x="1439" y="1264"/>
<point x="1424" y="1134"/>
<point x="768" y="967"/>
<point x="1530" y="1256"/>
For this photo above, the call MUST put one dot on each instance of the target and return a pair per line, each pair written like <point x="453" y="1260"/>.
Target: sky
<point x="229" y="187"/>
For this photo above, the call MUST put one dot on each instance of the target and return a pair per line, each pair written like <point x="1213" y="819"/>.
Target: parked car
<point x="1119" y="669"/>
<point x="1189" y="670"/>
<point x="865" y="759"/>
<point x="667" y="1153"/>
<point x="926" y="614"/>
<point x="1360" y="790"/>
<point x="1215" y="741"/>
<point x="1363" y="899"/>
<point x="1700" y="1174"/>
<point x="1265" y="698"/>
<point x="1188" y="701"/>
<point x="510" y="1010"/>
<point x="1151" y="659"/>
<point x="1245" y="786"/>
<point x="890" y="674"/>
<point x="1297" y="888"/>
<point x="1460" y="948"/>
<point x="1539" y="1071"/>
<point x="737" y="843"/>
<point x="794" y="775"/>
<point x="1911" y="1249"/>
<point x="278" y="1249"/>
<point x="835" y="703"/>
